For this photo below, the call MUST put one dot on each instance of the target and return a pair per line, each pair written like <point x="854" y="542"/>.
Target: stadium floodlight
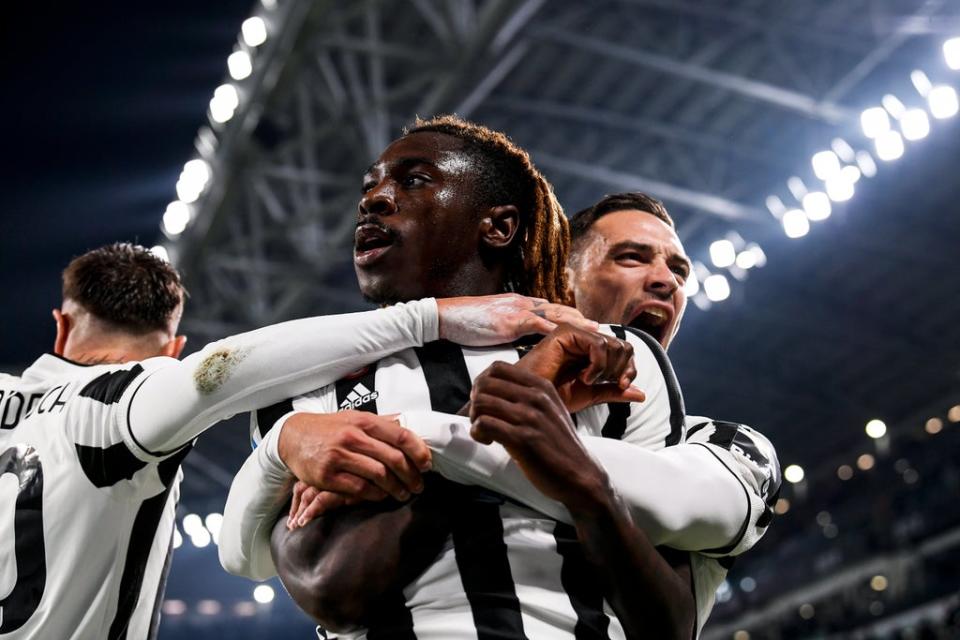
<point x="893" y="105"/>
<point x="224" y="103"/>
<point x="843" y="149"/>
<point x="795" y="223"/>
<point x="933" y="426"/>
<point x="826" y="164"/>
<point x="851" y="174"/>
<point x="865" y="462"/>
<point x="254" y="31"/>
<point x="867" y="166"/>
<point x="793" y="474"/>
<point x="161" y="252"/>
<point x="874" y="121"/>
<point x="717" y="288"/>
<point x="268" y="4"/>
<point x="816" y="204"/>
<point x="752" y="256"/>
<point x="915" y="124"/>
<point x="839" y="188"/>
<point x="775" y="206"/>
<point x="876" y="429"/>
<point x="691" y="285"/>
<point x="240" y="65"/>
<point x="176" y="218"/>
<point x="797" y="188"/>
<point x="951" y="53"/>
<point x="723" y="253"/>
<point x="209" y="607"/>
<point x="889" y="146"/>
<point x="263" y="593"/>
<point x="942" y="101"/>
<point x="192" y="524"/>
<point x="200" y="538"/>
<point x="921" y="82"/>
<point x="177" y="538"/>
<point x="213" y="522"/>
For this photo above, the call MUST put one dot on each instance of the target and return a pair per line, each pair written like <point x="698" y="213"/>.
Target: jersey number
<point x="23" y="462"/>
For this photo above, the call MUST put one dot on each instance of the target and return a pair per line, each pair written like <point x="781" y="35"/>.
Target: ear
<point x="499" y="226"/>
<point x="571" y="297"/>
<point x="174" y="347"/>
<point x="63" y="330"/>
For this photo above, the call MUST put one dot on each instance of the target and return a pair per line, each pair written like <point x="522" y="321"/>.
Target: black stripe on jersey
<point x="154" y="628"/>
<point x="268" y="416"/>
<point x="677" y="411"/>
<point x="167" y="470"/>
<point x="478" y="544"/>
<point x="110" y="386"/>
<point x="578" y="578"/>
<point x="135" y="566"/>
<point x="746" y="494"/>
<point x="364" y="398"/>
<point x="105" y="467"/>
<point x="616" y="424"/>
<point x="696" y="428"/>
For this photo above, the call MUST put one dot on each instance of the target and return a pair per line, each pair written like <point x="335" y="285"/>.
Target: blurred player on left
<point x="92" y="436"/>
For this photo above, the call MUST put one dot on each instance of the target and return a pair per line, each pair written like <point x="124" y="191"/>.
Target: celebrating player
<point x="454" y="559"/>
<point x="95" y="432"/>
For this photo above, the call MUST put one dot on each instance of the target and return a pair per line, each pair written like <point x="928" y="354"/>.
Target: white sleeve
<point x="257" y="495"/>
<point x="681" y="496"/>
<point x="172" y="404"/>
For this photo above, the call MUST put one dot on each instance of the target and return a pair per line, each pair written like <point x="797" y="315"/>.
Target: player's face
<point x="416" y="228"/>
<point x="631" y="271"/>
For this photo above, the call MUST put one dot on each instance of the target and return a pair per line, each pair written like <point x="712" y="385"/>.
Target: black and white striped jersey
<point x="506" y="571"/>
<point x="86" y="552"/>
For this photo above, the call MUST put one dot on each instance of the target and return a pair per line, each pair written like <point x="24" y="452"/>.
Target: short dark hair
<point x="582" y="220"/>
<point x="506" y="175"/>
<point x="126" y="286"/>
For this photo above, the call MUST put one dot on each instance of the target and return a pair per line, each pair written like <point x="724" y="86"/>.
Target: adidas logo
<point x="358" y="396"/>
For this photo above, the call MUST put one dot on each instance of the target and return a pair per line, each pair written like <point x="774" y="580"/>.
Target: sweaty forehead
<point x="637" y="226"/>
<point x="429" y="145"/>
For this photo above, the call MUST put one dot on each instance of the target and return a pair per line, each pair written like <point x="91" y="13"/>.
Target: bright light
<point x="951" y="53"/>
<point x="692" y="285"/>
<point x="806" y="611"/>
<point x="933" y="426"/>
<point x="208" y="607"/>
<point x="724" y="592"/>
<point x="843" y="149"/>
<point x="213" y="523"/>
<point x="796" y="186"/>
<point x="717" y="288"/>
<point x="177" y="538"/>
<point x="161" y="252"/>
<point x="192" y="523"/>
<point x="867" y="166"/>
<point x="793" y="474"/>
<point x="865" y="462"/>
<point x="782" y="506"/>
<point x="245" y="609"/>
<point x="953" y="415"/>
<point x="759" y="256"/>
<point x="921" y="82"/>
<point x="795" y="223"/>
<point x="878" y="583"/>
<point x="174" y="607"/>
<point x="723" y="253"/>
<point x="816" y="204"/>
<point x="176" y="218"/>
<point x="200" y="538"/>
<point x="850" y="173"/>
<point x="942" y="100"/>
<point x="268" y="4"/>
<point x="254" y="31"/>
<point x="915" y="124"/>
<point x="874" y="121"/>
<point x="263" y="593"/>
<point x="826" y="164"/>
<point x="889" y="146"/>
<point x="839" y="189"/>
<point x="844" y="472"/>
<point x="741" y="635"/>
<point x="224" y="103"/>
<point x="775" y="205"/>
<point x="748" y="584"/>
<point x="240" y="65"/>
<point x="193" y="179"/>
<point x="876" y="429"/>
<point x="746" y="260"/>
<point x="893" y="105"/>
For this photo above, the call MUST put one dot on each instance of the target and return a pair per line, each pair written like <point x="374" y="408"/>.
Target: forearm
<point x="680" y="496"/>
<point x="262" y="367"/>
<point x="651" y="597"/>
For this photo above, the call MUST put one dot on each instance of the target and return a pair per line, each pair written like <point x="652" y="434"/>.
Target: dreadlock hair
<point x="506" y="175"/>
<point x="582" y="220"/>
<point x="126" y="286"/>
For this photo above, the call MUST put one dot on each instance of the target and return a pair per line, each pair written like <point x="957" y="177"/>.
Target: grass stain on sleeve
<point x="216" y="369"/>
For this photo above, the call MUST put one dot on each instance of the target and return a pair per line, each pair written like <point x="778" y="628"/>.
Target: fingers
<point x="562" y="314"/>
<point x="394" y="461"/>
<point x="534" y="324"/>
<point x="365" y="467"/>
<point x="403" y="439"/>
<point x="488" y="429"/>
<point x="614" y="393"/>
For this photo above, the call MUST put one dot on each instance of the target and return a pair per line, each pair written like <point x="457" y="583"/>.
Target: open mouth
<point x="370" y="243"/>
<point x="652" y="321"/>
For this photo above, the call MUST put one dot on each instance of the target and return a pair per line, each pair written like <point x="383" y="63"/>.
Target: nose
<point x="378" y="201"/>
<point x="661" y="280"/>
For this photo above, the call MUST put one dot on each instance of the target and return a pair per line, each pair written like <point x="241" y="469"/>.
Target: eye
<point x="414" y="180"/>
<point x="681" y="271"/>
<point x="367" y="185"/>
<point x="630" y="256"/>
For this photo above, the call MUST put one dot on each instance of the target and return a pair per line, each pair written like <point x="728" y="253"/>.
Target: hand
<point x="586" y="367"/>
<point x="525" y="414"/>
<point x="309" y="502"/>
<point x="498" y="319"/>
<point x="356" y="454"/>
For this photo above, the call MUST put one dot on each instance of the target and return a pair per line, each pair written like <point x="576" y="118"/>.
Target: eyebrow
<point x="403" y="163"/>
<point x="642" y="247"/>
